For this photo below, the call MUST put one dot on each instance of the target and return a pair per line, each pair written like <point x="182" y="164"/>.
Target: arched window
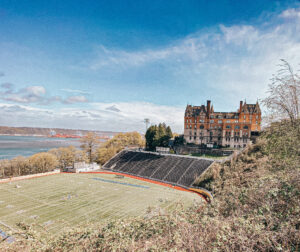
<point x="245" y="127"/>
<point x="201" y="126"/>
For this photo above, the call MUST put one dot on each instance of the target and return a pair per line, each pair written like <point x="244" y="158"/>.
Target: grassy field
<point x="65" y="200"/>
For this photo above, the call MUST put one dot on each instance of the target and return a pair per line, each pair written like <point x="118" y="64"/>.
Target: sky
<point x="107" y="65"/>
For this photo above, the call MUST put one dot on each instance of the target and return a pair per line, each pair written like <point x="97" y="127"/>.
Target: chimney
<point x="241" y="105"/>
<point x="208" y="106"/>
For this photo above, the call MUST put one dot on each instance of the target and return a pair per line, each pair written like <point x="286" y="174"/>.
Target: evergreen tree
<point x="158" y="136"/>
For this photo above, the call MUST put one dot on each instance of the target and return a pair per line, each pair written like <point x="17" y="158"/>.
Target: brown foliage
<point x="118" y="143"/>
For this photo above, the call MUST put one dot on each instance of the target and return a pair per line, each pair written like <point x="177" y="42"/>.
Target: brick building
<point x="204" y="126"/>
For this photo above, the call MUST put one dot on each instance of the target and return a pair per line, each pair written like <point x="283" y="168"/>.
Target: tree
<point x="21" y="166"/>
<point x="67" y="156"/>
<point x="158" y="136"/>
<point x="89" y="143"/>
<point x="43" y="162"/>
<point x="150" y="134"/>
<point x="284" y="93"/>
<point x="179" y="140"/>
<point x="118" y="143"/>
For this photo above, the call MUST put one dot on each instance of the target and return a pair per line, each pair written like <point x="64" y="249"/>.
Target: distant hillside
<point x="5" y="130"/>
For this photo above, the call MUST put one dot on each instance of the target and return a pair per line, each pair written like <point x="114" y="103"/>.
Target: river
<point x="13" y="146"/>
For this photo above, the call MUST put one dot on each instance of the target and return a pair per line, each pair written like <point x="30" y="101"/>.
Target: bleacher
<point x="173" y="169"/>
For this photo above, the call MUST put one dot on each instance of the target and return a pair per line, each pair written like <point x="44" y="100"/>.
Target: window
<point x="236" y="117"/>
<point x="257" y="117"/>
<point x="212" y="116"/>
<point x="228" y="121"/>
<point x="211" y="121"/>
<point x="195" y="126"/>
<point x="237" y="127"/>
<point x="236" y="121"/>
<point x="244" y="117"/>
<point x="190" y="126"/>
<point x="195" y="121"/>
<point x="187" y="126"/>
<point x="190" y="138"/>
<point x="220" y="121"/>
<point x="228" y="127"/>
<point x="256" y="122"/>
<point x="195" y="133"/>
<point x="201" y="126"/>
<point x="245" y="127"/>
<point x="201" y="121"/>
<point x="194" y="138"/>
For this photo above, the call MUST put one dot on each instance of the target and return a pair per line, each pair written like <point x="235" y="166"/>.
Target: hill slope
<point x="256" y="207"/>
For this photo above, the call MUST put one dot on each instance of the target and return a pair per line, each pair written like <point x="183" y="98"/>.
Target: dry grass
<point x="256" y="208"/>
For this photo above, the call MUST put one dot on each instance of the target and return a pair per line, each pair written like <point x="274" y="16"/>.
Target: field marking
<point x="121" y="183"/>
<point x="110" y="204"/>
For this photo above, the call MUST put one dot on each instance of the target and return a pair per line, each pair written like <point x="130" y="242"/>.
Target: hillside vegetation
<point x="256" y="208"/>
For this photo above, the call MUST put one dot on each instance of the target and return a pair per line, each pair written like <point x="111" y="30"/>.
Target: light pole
<point x="146" y="121"/>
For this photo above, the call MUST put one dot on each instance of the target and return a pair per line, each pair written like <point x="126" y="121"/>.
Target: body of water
<point x="13" y="146"/>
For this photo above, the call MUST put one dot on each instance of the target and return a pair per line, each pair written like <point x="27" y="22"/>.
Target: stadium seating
<point x="172" y="169"/>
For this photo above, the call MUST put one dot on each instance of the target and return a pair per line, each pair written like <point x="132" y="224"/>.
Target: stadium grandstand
<point x="172" y="169"/>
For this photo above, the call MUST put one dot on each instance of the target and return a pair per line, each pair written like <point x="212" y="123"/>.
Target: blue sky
<point x="106" y="65"/>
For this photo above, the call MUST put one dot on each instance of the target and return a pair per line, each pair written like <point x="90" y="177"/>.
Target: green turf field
<point x="65" y="200"/>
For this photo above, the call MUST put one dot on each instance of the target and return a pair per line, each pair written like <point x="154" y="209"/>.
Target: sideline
<point x="37" y="175"/>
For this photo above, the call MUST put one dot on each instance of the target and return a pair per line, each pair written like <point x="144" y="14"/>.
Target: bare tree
<point x="89" y="143"/>
<point x="284" y="93"/>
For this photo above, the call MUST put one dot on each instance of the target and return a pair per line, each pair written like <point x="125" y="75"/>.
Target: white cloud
<point x="35" y="90"/>
<point x="35" y="94"/>
<point x="291" y="13"/>
<point x="76" y="99"/>
<point x="75" y="91"/>
<point x="224" y="64"/>
<point x="129" y="118"/>
<point x="189" y="49"/>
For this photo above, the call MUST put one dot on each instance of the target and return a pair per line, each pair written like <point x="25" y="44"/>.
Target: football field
<point x="54" y="202"/>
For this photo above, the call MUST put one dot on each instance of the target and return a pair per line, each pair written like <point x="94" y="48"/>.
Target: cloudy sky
<point x="107" y="65"/>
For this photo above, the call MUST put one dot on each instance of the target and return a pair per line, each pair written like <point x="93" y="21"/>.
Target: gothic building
<point x="204" y="126"/>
